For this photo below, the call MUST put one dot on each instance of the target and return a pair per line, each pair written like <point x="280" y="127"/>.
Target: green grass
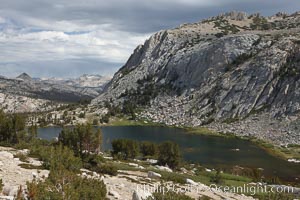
<point x="291" y="151"/>
<point x="275" y="196"/>
<point x="201" y="131"/>
<point x="204" y="197"/>
<point x="22" y="157"/>
<point x="176" y="177"/>
<point x="122" y="166"/>
<point x="114" y="121"/>
<point x="206" y="131"/>
<point x="200" y="176"/>
<point x="203" y="177"/>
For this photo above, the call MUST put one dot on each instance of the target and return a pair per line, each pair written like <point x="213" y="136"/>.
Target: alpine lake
<point x="207" y="150"/>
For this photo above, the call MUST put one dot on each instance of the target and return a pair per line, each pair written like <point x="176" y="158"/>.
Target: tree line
<point x="167" y="153"/>
<point x="84" y="140"/>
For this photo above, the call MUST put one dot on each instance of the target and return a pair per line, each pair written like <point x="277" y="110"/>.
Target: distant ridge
<point x="55" y="89"/>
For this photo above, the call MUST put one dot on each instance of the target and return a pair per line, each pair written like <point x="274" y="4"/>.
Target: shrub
<point x="240" y="59"/>
<point x="92" y="160"/>
<point x="90" y="189"/>
<point x="174" y="177"/>
<point x="1" y="184"/>
<point x="275" y="196"/>
<point x="70" y="186"/>
<point x="217" y="178"/>
<point x="169" y="154"/>
<point x="63" y="181"/>
<point x="219" y="35"/>
<point x="106" y="169"/>
<point x="204" y="197"/>
<point x="169" y="196"/>
<point x="62" y="158"/>
<point x="125" y="149"/>
<point x="148" y="149"/>
<point x="129" y="109"/>
<point x="30" y="166"/>
<point x="104" y="119"/>
<point x="22" y="157"/>
<point x="20" y="193"/>
<point x="82" y="115"/>
<point x="95" y="122"/>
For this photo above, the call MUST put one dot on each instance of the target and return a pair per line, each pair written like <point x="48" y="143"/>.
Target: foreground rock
<point x="13" y="176"/>
<point x="126" y="185"/>
<point x="191" y="182"/>
<point x="163" y="168"/>
<point x="140" y="195"/>
<point x="153" y="175"/>
<point x="18" y="104"/>
<point x="128" y="189"/>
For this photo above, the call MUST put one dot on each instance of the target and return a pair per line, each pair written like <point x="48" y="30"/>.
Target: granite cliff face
<point x="222" y="69"/>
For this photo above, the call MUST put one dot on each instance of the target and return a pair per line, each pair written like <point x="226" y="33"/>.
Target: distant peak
<point x="24" y="76"/>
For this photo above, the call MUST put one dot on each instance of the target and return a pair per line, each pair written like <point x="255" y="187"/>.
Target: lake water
<point x="210" y="151"/>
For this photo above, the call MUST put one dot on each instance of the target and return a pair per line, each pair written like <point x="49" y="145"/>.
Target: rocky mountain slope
<point x="65" y="90"/>
<point x="222" y="69"/>
<point x="22" y="104"/>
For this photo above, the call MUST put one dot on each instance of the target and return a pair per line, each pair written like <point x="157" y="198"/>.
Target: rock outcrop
<point x="85" y="87"/>
<point x="26" y="94"/>
<point x="20" y="104"/>
<point x="13" y="175"/>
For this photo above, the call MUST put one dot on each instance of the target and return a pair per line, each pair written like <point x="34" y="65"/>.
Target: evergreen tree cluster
<point x="167" y="153"/>
<point x="12" y="128"/>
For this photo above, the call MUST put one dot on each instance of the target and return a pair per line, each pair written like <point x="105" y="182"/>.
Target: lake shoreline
<point x="283" y="153"/>
<point x="273" y="149"/>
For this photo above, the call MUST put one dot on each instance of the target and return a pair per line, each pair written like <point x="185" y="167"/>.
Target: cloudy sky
<point x="66" y="38"/>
